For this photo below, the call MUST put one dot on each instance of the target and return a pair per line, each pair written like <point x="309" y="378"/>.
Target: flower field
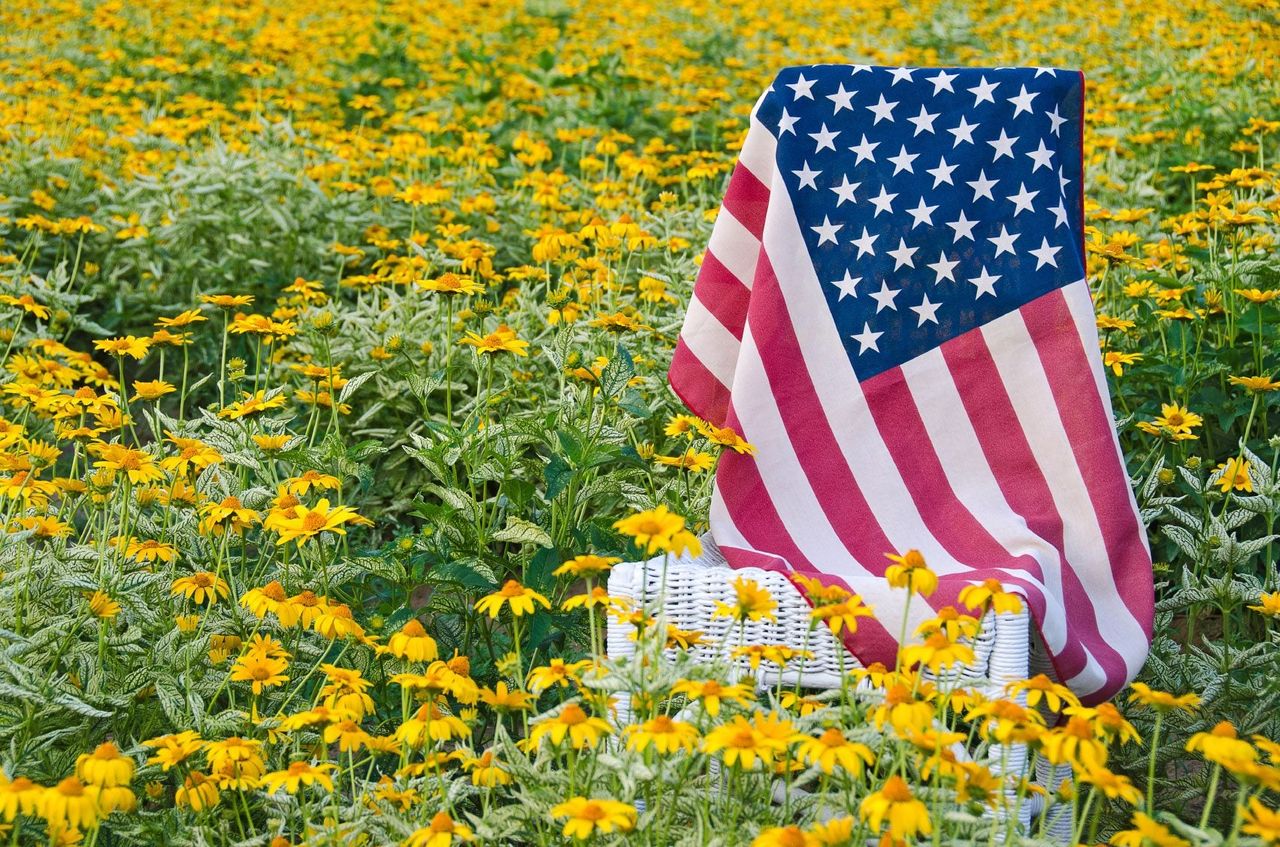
<point x="332" y="385"/>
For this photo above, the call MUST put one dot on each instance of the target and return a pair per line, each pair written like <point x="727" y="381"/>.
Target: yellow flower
<point x="555" y="673"/>
<point x="303" y="484"/>
<point x="198" y="792"/>
<point x="1113" y="785"/>
<point x="235" y="762"/>
<point x="487" y="771"/>
<point x="832" y="750"/>
<point x="903" y="709"/>
<point x="262" y="671"/>
<point x="691" y="460"/>
<point x="300" y="524"/>
<point x="299" y="775"/>
<point x="502" y="699"/>
<point x="105" y="767"/>
<point x="150" y="550"/>
<point x="18" y="797"/>
<point x="894" y="803"/>
<point x="570" y="722"/>
<point x="1041" y="688"/>
<point x="153" y="390"/>
<point x="951" y="623"/>
<point x="711" y="693"/>
<point x="501" y="340"/>
<point x="656" y="529"/>
<point x="586" y="816"/>
<point x="784" y="836"/>
<point x="450" y="283"/>
<point x="269" y="599"/>
<point x="272" y="443"/>
<point x="1262" y="822"/>
<point x="172" y="750"/>
<point x="909" y="571"/>
<point x="1073" y="743"/>
<point x="752" y="602"/>
<point x="252" y="404"/>
<point x="1268" y="604"/>
<point x="125" y="346"/>
<point x="44" y="526"/>
<point x="1222" y="745"/>
<point x="346" y="690"/>
<point x="837" y="832"/>
<point x="102" y="606"/>
<point x="990" y="593"/>
<point x="136" y="464"/>
<point x="1254" y="384"/>
<point x="842" y="616"/>
<point x="27" y="303"/>
<point x="182" y="319"/>
<point x="70" y="804"/>
<point x="726" y="437"/>
<point x="663" y="734"/>
<point x="1146" y="830"/>
<point x="413" y="644"/>
<point x="743" y="743"/>
<point x="586" y="566"/>
<point x="229" y="513"/>
<point x="937" y="652"/>
<point x="441" y="832"/>
<point x="202" y="587"/>
<point x="1161" y="700"/>
<point x="1235" y="474"/>
<point x="227" y="301"/>
<point x="596" y="598"/>
<point x="517" y="597"/>
<point x="1116" y="360"/>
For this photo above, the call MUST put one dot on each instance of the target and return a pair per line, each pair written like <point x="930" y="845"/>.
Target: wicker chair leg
<point x="1059" y="822"/>
<point x="1010" y="658"/>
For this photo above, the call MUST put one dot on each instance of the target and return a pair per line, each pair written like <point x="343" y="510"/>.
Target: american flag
<point x="893" y="309"/>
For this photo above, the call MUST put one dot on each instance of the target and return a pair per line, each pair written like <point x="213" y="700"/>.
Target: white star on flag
<point x="867" y="339"/>
<point x="847" y="285"/>
<point x="926" y="310"/>
<point x="1045" y="255"/>
<point x="807" y="176"/>
<point x="802" y="87"/>
<point x="1004" y="241"/>
<point x="845" y="190"/>
<point x="826" y="231"/>
<point x="884" y="297"/>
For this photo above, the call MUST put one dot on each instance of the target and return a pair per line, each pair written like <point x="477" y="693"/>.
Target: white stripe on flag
<point x="735" y="247"/>
<point x="709" y="341"/>
<point x="861" y="445"/>
<point x="1080" y="304"/>
<point x="1027" y="386"/>
<point x="758" y="151"/>
<point x="796" y="504"/>
<point x="965" y="465"/>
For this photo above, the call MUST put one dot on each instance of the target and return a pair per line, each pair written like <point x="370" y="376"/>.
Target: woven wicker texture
<point x="684" y="591"/>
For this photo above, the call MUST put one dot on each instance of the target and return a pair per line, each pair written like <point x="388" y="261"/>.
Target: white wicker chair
<point x="685" y="591"/>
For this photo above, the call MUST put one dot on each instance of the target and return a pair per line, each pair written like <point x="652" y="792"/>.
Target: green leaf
<point x="520" y="531"/>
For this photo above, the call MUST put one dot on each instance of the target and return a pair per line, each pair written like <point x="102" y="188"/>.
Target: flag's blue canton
<point x="932" y="200"/>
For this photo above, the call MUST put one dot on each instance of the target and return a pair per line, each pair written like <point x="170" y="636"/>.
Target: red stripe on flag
<point x="723" y="294"/>
<point x="949" y="521"/>
<point x="747" y="199"/>
<point x="1005" y="446"/>
<point x="750" y="507"/>
<point x="699" y="389"/>
<point x="1093" y="441"/>
<point x="817" y="451"/>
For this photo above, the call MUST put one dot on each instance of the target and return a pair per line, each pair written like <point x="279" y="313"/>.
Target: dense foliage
<point x="334" y="338"/>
